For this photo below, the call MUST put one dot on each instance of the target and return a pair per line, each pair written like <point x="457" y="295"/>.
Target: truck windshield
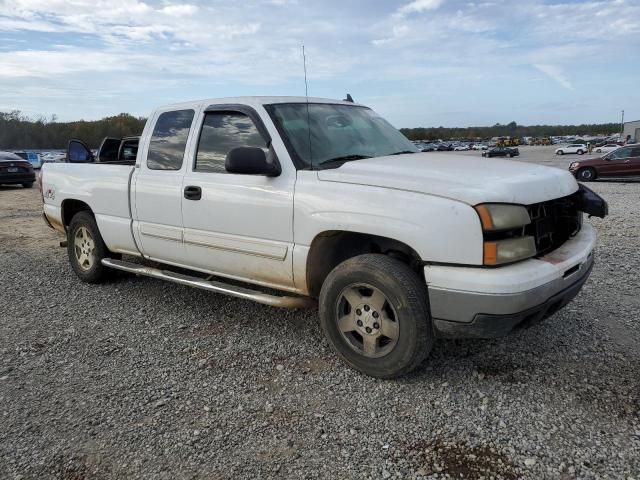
<point x="328" y="135"/>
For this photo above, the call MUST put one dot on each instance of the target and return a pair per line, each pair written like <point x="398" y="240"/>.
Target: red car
<point x="622" y="162"/>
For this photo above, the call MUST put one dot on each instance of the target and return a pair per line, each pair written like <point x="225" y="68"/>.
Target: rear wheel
<point x="586" y="174"/>
<point x="86" y="249"/>
<point x="509" y="155"/>
<point x="560" y="152"/>
<point x="27" y="184"/>
<point x="374" y="312"/>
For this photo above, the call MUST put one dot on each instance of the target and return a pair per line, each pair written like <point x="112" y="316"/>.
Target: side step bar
<point x="212" y="286"/>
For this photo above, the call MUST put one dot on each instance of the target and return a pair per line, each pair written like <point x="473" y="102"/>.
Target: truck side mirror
<point x="78" y="152"/>
<point x="251" y="161"/>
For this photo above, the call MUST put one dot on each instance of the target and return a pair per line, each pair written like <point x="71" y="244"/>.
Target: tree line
<point x="18" y="131"/>
<point x="511" y="129"/>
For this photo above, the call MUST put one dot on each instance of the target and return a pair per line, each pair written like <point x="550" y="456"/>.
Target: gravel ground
<point x="140" y="378"/>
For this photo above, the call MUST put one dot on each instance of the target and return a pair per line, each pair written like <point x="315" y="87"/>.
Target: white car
<point x="609" y="147"/>
<point x="461" y="148"/>
<point x="324" y="201"/>
<point x="479" y="147"/>
<point x="578" y="148"/>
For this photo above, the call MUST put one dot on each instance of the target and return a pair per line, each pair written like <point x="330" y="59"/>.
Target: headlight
<point x="506" y="251"/>
<point x="502" y="216"/>
<point x="574" y="164"/>
<point x="504" y="233"/>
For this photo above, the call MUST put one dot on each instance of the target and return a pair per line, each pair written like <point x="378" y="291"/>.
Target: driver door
<point x="617" y="163"/>
<point x="237" y="225"/>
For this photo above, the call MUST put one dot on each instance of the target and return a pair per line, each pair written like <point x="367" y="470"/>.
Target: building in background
<point x="632" y="129"/>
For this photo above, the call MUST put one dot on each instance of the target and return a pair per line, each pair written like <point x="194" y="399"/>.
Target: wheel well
<point x="331" y="248"/>
<point x="70" y="208"/>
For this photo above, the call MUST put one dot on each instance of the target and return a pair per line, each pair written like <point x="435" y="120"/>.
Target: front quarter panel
<point x="438" y="229"/>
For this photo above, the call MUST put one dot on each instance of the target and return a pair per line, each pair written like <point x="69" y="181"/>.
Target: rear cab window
<point x="169" y="139"/>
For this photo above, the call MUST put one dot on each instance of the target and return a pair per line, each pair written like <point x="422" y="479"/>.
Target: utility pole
<point x="622" y="126"/>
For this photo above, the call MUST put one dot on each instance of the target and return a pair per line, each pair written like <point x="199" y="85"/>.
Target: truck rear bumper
<point x="487" y="303"/>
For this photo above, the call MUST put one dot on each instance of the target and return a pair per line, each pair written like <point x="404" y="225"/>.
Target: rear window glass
<point x="169" y="139"/>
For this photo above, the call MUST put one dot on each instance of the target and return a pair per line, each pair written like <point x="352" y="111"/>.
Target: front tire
<point x="559" y="152"/>
<point x="86" y="249"/>
<point x="580" y="152"/>
<point x="374" y="312"/>
<point x="587" y="174"/>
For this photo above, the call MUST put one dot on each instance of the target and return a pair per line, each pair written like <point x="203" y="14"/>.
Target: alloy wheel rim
<point x="367" y="321"/>
<point x="84" y="248"/>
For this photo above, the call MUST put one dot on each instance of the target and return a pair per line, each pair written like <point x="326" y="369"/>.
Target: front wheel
<point x="374" y="312"/>
<point x="599" y="150"/>
<point x="580" y="152"/>
<point x="509" y="155"/>
<point x="559" y="152"/>
<point x="86" y="249"/>
<point x="586" y="174"/>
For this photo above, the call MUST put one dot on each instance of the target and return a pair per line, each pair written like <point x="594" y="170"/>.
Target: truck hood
<point x="459" y="177"/>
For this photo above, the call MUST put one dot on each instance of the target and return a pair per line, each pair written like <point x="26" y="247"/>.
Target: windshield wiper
<point x="342" y="159"/>
<point x="402" y="152"/>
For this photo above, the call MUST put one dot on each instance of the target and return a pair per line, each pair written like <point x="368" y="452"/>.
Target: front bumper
<point x="488" y="303"/>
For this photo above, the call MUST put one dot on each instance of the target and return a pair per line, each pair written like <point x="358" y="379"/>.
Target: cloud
<point x="458" y="52"/>
<point x="555" y="73"/>
<point x="418" y="6"/>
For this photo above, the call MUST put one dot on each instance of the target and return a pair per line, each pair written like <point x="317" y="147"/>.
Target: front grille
<point x="553" y="223"/>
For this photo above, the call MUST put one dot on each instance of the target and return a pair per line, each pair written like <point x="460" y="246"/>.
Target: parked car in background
<point x="479" y="147"/>
<point x="578" y="148"/>
<point x="461" y="148"/>
<point x="15" y="170"/>
<point x="429" y="147"/>
<point x="443" y="147"/>
<point x="32" y="157"/>
<point x="606" y="148"/>
<point x="501" y="152"/>
<point x="622" y="162"/>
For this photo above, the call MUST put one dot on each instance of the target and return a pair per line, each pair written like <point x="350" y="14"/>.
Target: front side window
<point x="169" y="139"/>
<point x="323" y="135"/>
<point x="620" y="153"/>
<point x="221" y="133"/>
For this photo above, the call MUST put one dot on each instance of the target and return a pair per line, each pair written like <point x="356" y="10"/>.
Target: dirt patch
<point x="460" y="460"/>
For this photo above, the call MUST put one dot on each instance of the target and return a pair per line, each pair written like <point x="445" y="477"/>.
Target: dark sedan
<point x="14" y="170"/>
<point x="501" y="152"/>
<point x="622" y="162"/>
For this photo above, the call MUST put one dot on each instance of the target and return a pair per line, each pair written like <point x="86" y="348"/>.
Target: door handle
<point x="192" y="192"/>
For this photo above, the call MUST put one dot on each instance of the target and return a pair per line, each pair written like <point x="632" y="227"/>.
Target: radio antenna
<point x="306" y="94"/>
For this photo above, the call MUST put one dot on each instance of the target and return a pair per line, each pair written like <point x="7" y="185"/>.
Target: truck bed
<point x="103" y="187"/>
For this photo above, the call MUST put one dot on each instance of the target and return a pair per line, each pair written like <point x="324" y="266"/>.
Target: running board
<point x="212" y="286"/>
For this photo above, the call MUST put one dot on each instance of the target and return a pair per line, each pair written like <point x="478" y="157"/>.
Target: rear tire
<point x="86" y="249"/>
<point x="509" y="155"/>
<point x="587" y="174"/>
<point x="559" y="152"/>
<point x="27" y="184"/>
<point x="374" y="312"/>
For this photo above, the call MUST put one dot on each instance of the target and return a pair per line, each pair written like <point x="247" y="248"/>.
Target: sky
<point x="416" y="62"/>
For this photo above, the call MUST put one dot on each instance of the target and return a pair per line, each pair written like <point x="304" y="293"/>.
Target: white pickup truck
<point x="323" y="200"/>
